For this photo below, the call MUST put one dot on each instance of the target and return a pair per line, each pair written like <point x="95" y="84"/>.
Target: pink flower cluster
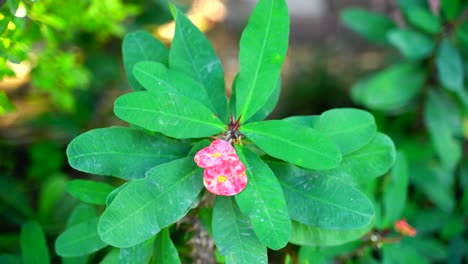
<point x="224" y="172"/>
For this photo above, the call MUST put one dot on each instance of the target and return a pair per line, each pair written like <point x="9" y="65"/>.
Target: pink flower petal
<point x="227" y="179"/>
<point x="214" y="154"/>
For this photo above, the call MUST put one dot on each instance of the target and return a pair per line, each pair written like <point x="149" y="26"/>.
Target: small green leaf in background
<point x="369" y="162"/>
<point x="164" y="250"/>
<point x="319" y="237"/>
<point x="112" y="257"/>
<point x="141" y="46"/>
<point x="33" y="244"/>
<point x="369" y="25"/>
<point x="89" y="191"/>
<point x="13" y="196"/>
<point x="155" y="77"/>
<point x="390" y="89"/>
<point x="145" y="206"/>
<point x="423" y="19"/>
<point x="438" y="115"/>
<point x="13" y="5"/>
<point x="263" y="47"/>
<point x="233" y="234"/>
<point x="399" y="253"/>
<point x="5" y="105"/>
<point x="79" y="240"/>
<point x="51" y="194"/>
<point x="322" y="201"/>
<point x="450" y="8"/>
<point x="192" y="53"/>
<point x="349" y="128"/>
<point x="396" y="191"/>
<point x="305" y="147"/>
<point x="122" y="152"/>
<point x="137" y="254"/>
<point x="81" y="213"/>
<point x="263" y="202"/>
<point x="449" y="66"/>
<point x="171" y="114"/>
<point x="412" y="44"/>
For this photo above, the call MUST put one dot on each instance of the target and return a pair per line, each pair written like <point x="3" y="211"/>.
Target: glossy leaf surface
<point x="171" y="114"/>
<point x="263" y="202"/>
<point x="305" y="147"/>
<point x="263" y="47"/>
<point x="126" y="153"/>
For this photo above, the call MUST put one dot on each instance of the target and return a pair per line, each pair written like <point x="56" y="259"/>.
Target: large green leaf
<point x="263" y="47"/>
<point x="412" y="44"/>
<point x="369" y="162"/>
<point x="263" y="202"/>
<point x="396" y="191"/>
<point x="126" y="153"/>
<point x="319" y="237"/>
<point x="145" y="206"/>
<point x="79" y="240"/>
<point x="164" y="250"/>
<point x="322" y="201"/>
<point x="172" y="114"/>
<point x="141" y="46"/>
<point x="137" y="254"/>
<point x="192" y="53"/>
<point x="449" y="66"/>
<point x="89" y="191"/>
<point x="33" y="244"/>
<point x="303" y="146"/>
<point x="438" y="113"/>
<point x="154" y="76"/>
<point x="369" y="25"/>
<point x="269" y="105"/>
<point x="233" y="234"/>
<point x="423" y="19"/>
<point x="391" y="88"/>
<point x="349" y="128"/>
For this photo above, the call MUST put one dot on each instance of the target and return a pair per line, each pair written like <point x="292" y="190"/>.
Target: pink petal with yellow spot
<point x="214" y="154"/>
<point x="227" y="179"/>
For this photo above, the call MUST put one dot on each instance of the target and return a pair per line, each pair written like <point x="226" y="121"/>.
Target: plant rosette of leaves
<point x="292" y="177"/>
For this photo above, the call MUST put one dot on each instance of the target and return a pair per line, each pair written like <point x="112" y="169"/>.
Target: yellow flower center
<point x="222" y="178"/>
<point x="216" y="155"/>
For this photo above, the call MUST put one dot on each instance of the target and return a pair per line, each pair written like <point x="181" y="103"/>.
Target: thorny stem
<point x="232" y="134"/>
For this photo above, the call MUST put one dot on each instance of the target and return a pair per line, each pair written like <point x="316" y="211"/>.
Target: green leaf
<point x="33" y="244"/>
<point x="145" y="206"/>
<point x="308" y="121"/>
<point x="396" y="191"/>
<point x="80" y="214"/>
<point x="89" y="191"/>
<point x="233" y="234"/>
<point x="79" y="240"/>
<point x="263" y="47"/>
<point x="399" y="253"/>
<point x="126" y="153"/>
<point x="269" y="106"/>
<point x="192" y="53"/>
<point x="437" y="115"/>
<point x="5" y="105"/>
<point x="164" y="250"/>
<point x="369" y="162"/>
<point x="319" y="237"/>
<point x="423" y="19"/>
<point x="305" y="147"/>
<point x="137" y="254"/>
<point x="349" y="128"/>
<point x="10" y="259"/>
<point x="449" y="66"/>
<point x="112" y="257"/>
<point x="322" y="201"/>
<point x="390" y="89"/>
<point x="155" y="77"/>
<point x="171" y="114"/>
<point x="412" y="44"/>
<point x="450" y="8"/>
<point x="13" y="196"/>
<point x="431" y="180"/>
<point x="263" y="202"/>
<point x="51" y="195"/>
<point x="13" y="5"/>
<point x="372" y="26"/>
<point x="141" y="46"/>
<point x="113" y="194"/>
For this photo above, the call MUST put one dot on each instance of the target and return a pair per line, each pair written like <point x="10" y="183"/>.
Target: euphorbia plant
<point x="287" y="178"/>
